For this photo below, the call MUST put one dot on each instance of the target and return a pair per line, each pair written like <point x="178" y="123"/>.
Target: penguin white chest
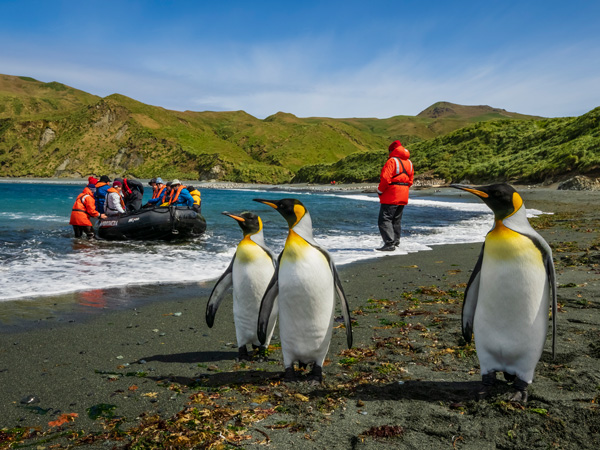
<point x="306" y="302"/>
<point x="251" y="273"/>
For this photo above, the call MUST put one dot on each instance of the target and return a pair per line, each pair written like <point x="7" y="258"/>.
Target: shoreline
<point x="17" y="315"/>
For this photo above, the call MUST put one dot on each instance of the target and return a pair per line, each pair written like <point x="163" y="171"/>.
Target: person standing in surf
<point x="84" y="208"/>
<point x="396" y="177"/>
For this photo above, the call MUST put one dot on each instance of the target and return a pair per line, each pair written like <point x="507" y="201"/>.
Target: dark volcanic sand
<point x="409" y="369"/>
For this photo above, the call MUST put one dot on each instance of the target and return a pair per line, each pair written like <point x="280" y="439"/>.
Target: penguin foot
<point x="487" y="383"/>
<point x="289" y="374"/>
<point x="316" y="375"/>
<point x="521" y="394"/>
<point x="243" y="354"/>
<point x="520" y="397"/>
<point x="261" y="352"/>
<point x="302" y="365"/>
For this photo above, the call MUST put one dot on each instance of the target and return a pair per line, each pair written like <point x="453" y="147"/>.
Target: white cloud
<point x="306" y="78"/>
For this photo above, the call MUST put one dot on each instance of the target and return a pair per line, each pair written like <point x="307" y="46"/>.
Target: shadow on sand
<point x="192" y="357"/>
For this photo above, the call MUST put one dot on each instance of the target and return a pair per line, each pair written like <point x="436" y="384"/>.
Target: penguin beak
<point x="233" y="216"/>
<point x="477" y="192"/>
<point x="272" y="203"/>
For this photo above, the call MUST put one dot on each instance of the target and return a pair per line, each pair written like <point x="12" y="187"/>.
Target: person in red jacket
<point x="84" y="208"/>
<point x="396" y="177"/>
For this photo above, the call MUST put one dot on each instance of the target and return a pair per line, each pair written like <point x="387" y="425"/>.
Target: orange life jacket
<point x="157" y="192"/>
<point x="175" y="194"/>
<point x="112" y="189"/>
<point x="396" y="177"/>
<point x="83" y="209"/>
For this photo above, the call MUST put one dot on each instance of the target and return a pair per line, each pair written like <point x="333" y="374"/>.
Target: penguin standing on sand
<point x="305" y="282"/>
<point x="509" y="293"/>
<point x="249" y="272"/>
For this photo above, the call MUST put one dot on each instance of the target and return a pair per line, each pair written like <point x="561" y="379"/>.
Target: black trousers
<point x="390" y="223"/>
<point x="80" y="229"/>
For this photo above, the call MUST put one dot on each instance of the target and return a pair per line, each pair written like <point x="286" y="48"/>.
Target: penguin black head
<point x="291" y="209"/>
<point x="249" y="223"/>
<point x="501" y="198"/>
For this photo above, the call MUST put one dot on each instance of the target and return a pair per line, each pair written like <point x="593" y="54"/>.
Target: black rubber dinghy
<point x="160" y="223"/>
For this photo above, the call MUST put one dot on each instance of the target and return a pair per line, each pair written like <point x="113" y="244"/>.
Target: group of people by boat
<point x="110" y="201"/>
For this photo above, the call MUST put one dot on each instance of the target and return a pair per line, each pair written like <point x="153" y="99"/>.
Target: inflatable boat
<point x="160" y="223"/>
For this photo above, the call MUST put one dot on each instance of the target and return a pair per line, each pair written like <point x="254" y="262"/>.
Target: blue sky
<point x="349" y="58"/>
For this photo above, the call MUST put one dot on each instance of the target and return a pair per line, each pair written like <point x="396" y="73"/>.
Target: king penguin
<point x="249" y="273"/>
<point x="508" y="296"/>
<point x="305" y="282"/>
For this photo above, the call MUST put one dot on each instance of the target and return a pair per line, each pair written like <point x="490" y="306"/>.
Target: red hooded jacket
<point x="84" y="208"/>
<point x="396" y="177"/>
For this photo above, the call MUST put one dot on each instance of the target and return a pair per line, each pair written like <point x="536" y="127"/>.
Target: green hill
<point x="52" y="130"/>
<point x="27" y="97"/>
<point x="507" y="150"/>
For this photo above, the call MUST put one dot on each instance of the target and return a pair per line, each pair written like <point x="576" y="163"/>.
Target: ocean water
<point x="39" y="257"/>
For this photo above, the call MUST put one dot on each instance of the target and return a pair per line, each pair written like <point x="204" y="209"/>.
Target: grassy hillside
<point x="27" y="97"/>
<point x="507" y="150"/>
<point x="52" y="130"/>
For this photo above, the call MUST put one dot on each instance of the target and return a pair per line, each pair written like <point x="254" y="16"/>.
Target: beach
<point x="156" y="376"/>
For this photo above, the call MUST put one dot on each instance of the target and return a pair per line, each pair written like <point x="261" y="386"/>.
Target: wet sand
<point x="158" y="373"/>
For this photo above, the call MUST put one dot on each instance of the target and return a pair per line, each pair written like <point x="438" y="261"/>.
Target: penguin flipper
<point x="343" y="304"/>
<point x="546" y="252"/>
<point x="471" y="297"/>
<point x="552" y="281"/>
<point x="218" y="294"/>
<point x="266" y="307"/>
<point x="341" y="295"/>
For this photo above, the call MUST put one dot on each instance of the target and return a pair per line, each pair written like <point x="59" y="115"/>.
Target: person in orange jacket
<point x="397" y="176"/>
<point x="84" y="208"/>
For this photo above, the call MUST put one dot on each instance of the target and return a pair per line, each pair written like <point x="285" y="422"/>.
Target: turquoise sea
<point x="43" y="266"/>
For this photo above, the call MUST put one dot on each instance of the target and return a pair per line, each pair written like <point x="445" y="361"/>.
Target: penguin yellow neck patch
<point x="295" y="246"/>
<point x="504" y="243"/>
<point x="247" y="250"/>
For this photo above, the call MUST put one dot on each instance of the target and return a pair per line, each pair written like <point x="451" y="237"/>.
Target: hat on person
<point x="152" y="181"/>
<point x="175" y="181"/>
<point x="159" y="180"/>
<point x="92" y="180"/>
<point x="190" y="188"/>
<point x="91" y="186"/>
<point x="394" y="145"/>
<point x="117" y="183"/>
<point x="105" y="179"/>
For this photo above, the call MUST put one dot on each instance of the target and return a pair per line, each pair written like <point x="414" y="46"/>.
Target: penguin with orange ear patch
<point x="509" y="294"/>
<point x="306" y="283"/>
<point x="249" y="273"/>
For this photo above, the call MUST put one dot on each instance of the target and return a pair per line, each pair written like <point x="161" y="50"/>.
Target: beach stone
<point x="29" y="400"/>
<point x="580" y="183"/>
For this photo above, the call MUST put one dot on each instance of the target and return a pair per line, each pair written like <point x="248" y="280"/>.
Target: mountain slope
<point x="52" y="130"/>
<point x="27" y="97"/>
<point x="508" y="150"/>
